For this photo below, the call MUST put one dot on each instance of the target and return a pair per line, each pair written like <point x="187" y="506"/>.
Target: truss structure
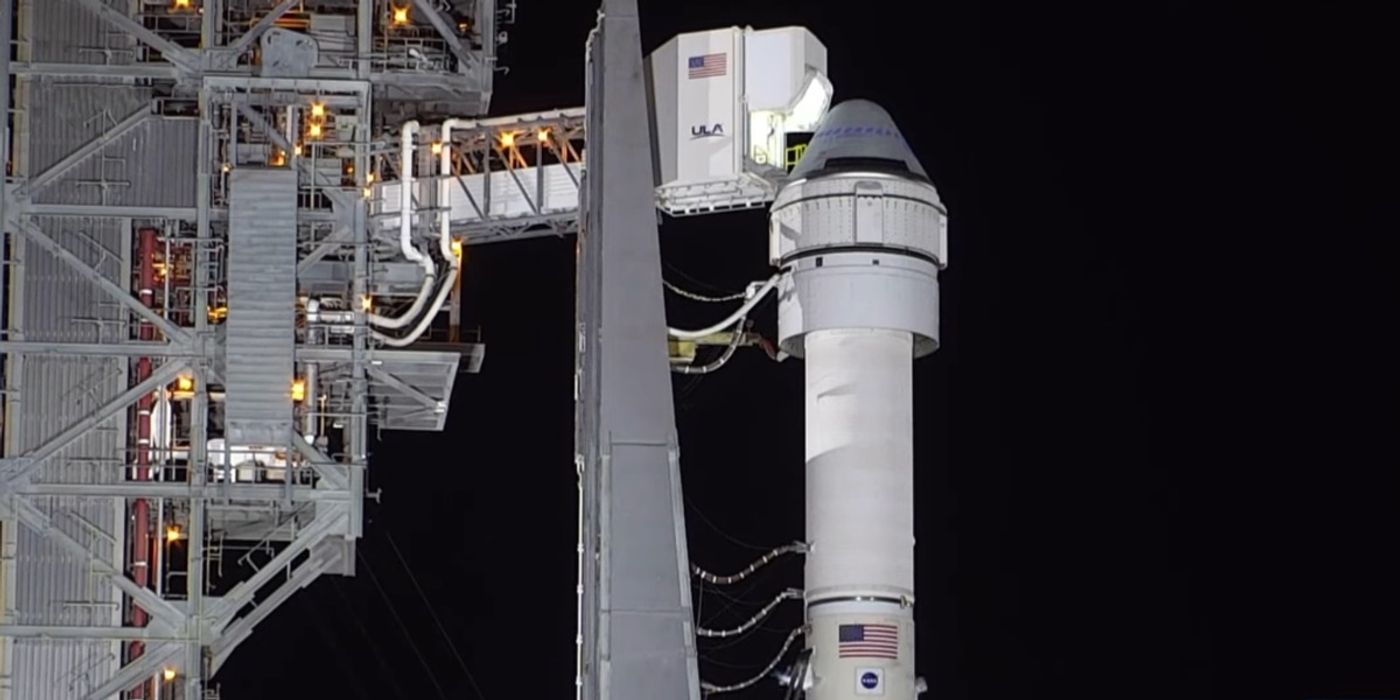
<point x="184" y="441"/>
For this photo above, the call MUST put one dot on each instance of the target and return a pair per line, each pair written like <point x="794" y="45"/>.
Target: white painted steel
<point x="408" y="135"/>
<point x="861" y="235"/>
<point x="840" y="678"/>
<point x="860" y="464"/>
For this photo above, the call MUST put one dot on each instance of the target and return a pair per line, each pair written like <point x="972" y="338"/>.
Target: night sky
<point x="1155" y="454"/>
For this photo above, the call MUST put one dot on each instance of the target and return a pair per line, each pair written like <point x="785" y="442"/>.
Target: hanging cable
<point x="738" y="314"/>
<point x="717" y="529"/>
<point x="387" y="671"/>
<point x="432" y="612"/>
<point x="789" y="594"/>
<point x="712" y="689"/>
<point x="394" y="611"/>
<point x="703" y="575"/>
<point x="719" y="361"/>
<point x="701" y="297"/>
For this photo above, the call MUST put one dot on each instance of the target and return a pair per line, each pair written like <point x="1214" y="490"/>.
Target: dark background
<point x="1155" y="454"/>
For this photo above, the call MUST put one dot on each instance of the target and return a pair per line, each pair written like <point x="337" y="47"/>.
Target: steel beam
<point x="245" y="42"/>
<point x="18" y="468"/>
<point x="337" y="240"/>
<point x="155" y="71"/>
<point x="87" y="150"/>
<point x="92" y="633"/>
<point x="332" y="190"/>
<point x="128" y="349"/>
<point x="157" y="656"/>
<point x="330" y="471"/>
<point x="448" y="33"/>
<point x="37" y="235"/>
<point x="120" y="211"/>
<point x="179" y="491"/>
<point x="239" y="630"/>
<point x="223" y="610"/>
<point x="636" y="623"/>
<point x="345" y="84"/>
<point x="411" y="392"/>
<point x="169" y="50"/>
<point x="21" y="509"/>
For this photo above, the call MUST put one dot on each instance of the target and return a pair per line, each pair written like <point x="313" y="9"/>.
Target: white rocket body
<point x="862" y="234"/>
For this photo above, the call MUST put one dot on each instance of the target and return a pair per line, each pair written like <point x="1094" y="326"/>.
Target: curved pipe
<point x="733" y="318"/>
<point x="444" y="241"/>
<point x="408" y="136"/>
<point x="426" y="320"/>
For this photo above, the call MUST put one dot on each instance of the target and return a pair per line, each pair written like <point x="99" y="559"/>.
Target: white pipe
<point x="427" y="319"/>
<point x="408" y="137"/>
<point x="445" y="192"/>
<point x="444" y="239"/>
<point x="733" y="318"/>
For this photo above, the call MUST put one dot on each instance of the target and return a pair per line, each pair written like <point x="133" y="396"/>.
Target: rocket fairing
<point x="862" y="235"/>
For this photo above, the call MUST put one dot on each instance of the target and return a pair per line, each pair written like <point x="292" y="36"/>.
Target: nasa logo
<point x="870" y="681"/>
<point x="704" y="131"/>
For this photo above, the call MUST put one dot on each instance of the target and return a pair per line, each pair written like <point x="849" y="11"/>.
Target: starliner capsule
<point x="861" y="234"/>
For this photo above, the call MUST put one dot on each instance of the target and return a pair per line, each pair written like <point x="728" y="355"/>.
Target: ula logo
<point x="703" y="131"/>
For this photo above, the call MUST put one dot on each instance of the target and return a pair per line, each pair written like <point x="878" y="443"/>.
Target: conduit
<point x="733" y="318"/>
<point x="141" y="559"/>
<point x="444" y="241"/>
<point x="408" y="136"/>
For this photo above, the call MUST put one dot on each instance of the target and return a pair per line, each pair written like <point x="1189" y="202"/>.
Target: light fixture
<point x="457" y="248"/>
<point x="543" y="135"/>
<point x="400" y="15"/>
<point x="298" y="390"/>
<point x="168" y="674"/>
<point x="318" y="110"/>
<point x="437" y="148"/>
<point x="184" y="382"/>
<point x="313" y="131"/>
<point x="297" y="149"/>
<point x="366" y="302"/>
<point x="179" y="5"/>
<point x="173" y="534"/>
<point x="507" y="139"/>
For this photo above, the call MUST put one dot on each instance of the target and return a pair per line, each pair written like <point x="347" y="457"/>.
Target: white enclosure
<point x="724" y="100"/>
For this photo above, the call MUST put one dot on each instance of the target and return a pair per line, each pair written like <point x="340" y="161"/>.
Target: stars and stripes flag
<point x="711" y="65"/>
<point x="868" y="641"/>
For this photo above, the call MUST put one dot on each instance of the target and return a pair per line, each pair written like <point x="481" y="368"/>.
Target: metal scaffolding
<point x="132" y="127"/>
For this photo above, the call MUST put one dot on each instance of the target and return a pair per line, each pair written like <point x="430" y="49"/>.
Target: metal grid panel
<point x="147" y="166"/>
<point x="64" y="116"/>
<point x="262" y="305"/>
<point x="65" y="32"/>
<point x="429" y="376"/>
<point x="60" y="304"/>
<point x="52" y="587"/>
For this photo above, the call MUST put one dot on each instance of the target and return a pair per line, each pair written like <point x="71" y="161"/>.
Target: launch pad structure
<point x="232" y="242"/>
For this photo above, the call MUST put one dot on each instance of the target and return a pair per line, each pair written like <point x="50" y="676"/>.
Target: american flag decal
<point x="868" y="642"/>
<point x="711" y="65"/>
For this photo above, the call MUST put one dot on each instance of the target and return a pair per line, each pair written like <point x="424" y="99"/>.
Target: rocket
<point x="860" y="234"/>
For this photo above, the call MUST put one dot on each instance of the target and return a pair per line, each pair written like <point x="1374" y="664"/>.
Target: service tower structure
<point x="861" y="235"/>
